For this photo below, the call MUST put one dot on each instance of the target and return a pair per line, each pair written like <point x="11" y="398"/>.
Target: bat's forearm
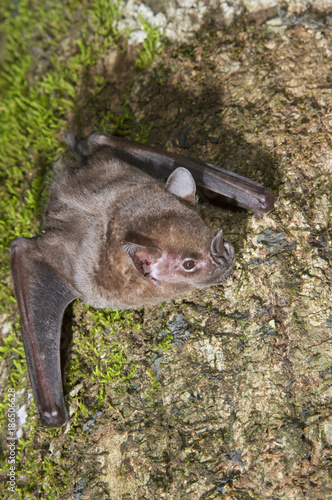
<point x="238" y="190"/>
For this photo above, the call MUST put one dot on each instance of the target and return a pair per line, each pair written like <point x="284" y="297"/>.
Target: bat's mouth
<point x="217" y="281"/>
<point x="226" y="277"/>
<point x="154" y="281"/>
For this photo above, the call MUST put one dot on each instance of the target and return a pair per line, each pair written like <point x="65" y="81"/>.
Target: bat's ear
<point x="222" y="250"/>
<point x="182" y="184"/>
<point x="142" y="257"/>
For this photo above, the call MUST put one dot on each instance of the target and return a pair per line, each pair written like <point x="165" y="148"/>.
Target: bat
<point x="116" y="236"/>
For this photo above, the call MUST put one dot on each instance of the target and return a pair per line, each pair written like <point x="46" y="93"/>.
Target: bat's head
<point x="200" y="263"/>
<point x="179" y="252"/>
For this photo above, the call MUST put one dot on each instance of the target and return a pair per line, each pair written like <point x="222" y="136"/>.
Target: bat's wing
<point x="237" y="189"/>
<point x="42" y="295"/>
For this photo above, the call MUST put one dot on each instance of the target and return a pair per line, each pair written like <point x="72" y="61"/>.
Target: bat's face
<point x="198" y="265"/>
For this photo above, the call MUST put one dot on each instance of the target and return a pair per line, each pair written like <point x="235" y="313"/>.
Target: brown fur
<point x="100" y="202"/>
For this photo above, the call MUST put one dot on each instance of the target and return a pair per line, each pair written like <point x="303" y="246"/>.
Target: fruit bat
<point x="118" y="238"/>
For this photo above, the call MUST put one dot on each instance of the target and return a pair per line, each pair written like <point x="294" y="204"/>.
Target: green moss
<point x="151" y="46"/>
<point x="99" y="359"/>
<point x="48" y="50"/>
<point x="155" y="384"/>
<point x="166" y="344"/>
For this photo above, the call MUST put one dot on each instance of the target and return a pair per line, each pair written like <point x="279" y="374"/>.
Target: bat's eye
<point x="189" y="264"/>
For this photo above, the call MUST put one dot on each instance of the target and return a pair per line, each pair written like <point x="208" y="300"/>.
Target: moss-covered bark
<point x="225" y="393"/>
